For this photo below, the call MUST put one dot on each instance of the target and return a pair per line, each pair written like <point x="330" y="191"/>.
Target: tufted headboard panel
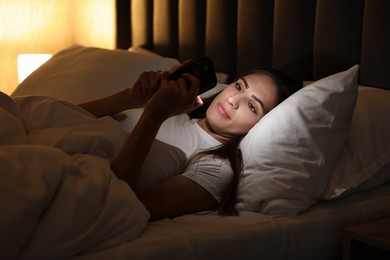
<point x="307" y="39"/>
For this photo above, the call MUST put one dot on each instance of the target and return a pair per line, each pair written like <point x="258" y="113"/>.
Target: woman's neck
<point x="203" y="123"/>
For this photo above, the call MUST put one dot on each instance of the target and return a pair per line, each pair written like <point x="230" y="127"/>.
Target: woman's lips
<point x="222" y="110"/>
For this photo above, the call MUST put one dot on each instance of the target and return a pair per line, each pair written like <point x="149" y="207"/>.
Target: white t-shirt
<point x="213" y="174"/>
<point x="178" y="139"/>
<point x="186" y="134"/>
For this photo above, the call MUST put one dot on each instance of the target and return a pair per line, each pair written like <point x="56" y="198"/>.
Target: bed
<point x="308" y="173"/>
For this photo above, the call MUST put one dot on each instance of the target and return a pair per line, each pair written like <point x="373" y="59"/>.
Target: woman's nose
<point x="234" y="101"/>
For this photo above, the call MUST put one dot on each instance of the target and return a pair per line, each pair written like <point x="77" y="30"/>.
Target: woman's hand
<point x="146" y="86"/>
<point x="170" y="98"/>
<point x="174" y="97"/>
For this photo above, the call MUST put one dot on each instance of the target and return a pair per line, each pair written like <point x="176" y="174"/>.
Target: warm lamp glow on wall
<point x="44" y="26"/>
<point x="27" y="63"/>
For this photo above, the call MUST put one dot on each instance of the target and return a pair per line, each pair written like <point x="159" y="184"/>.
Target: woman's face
<point x="240" y="106"/>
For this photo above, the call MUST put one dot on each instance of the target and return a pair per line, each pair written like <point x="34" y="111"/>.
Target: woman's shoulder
<point x="210" y="164"/>
<point x="212" y="173"/>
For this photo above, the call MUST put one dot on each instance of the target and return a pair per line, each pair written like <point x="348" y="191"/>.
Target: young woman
<point x="211" y="143"/>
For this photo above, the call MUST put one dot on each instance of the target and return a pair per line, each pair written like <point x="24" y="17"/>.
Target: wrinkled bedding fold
<point x="59" y="196"/>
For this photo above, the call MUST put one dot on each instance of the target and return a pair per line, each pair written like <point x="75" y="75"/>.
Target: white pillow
<point x="79" y="73"/>
<point x="367" y="151"/>
<point x="290" y="153"/>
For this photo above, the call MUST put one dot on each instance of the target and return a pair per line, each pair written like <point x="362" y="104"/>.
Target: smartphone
<point x="203" y="69"/>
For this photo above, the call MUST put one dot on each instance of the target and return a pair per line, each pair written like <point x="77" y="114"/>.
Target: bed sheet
<point x="314" y="234"/>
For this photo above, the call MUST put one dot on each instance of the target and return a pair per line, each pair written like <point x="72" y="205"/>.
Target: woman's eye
<point x="238" y="87"/>
<point x="252" y="107"/>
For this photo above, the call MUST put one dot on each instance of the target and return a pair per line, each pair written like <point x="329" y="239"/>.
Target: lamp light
<point x="27" y="63"/>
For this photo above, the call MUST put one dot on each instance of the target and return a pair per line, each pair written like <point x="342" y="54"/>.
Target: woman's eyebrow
<point x="245" y="82"/>
<point x="254" y="97"/>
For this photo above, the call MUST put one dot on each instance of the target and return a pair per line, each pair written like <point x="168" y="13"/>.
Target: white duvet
<point x="58" y="195"/>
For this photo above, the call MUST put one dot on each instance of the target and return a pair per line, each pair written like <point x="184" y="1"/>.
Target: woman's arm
<point x="111" y="105"/>
<point x="137" y="96"/>
<point x="176" y="196"/>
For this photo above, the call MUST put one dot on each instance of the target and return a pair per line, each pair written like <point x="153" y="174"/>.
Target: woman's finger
<point x="194" y="84"/>
<point x="183" y="64"/>
<point x="153" y="84"/>
<point x="144" y="83"/>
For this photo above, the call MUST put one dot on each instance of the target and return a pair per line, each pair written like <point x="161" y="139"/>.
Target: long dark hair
<point x="230" y="150"/>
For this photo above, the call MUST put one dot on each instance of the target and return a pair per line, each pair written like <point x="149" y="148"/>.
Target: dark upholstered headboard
<point x="307" y="39"/>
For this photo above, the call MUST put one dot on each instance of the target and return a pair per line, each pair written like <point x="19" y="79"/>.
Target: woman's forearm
<point x="111" y="105"/>
<point x="136" y="96"/>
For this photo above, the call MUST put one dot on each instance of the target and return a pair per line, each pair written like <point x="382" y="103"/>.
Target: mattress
<point x="314" y="234"/>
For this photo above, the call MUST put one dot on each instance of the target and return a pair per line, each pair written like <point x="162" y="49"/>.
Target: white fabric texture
<point x="367" y="150"/>
<point x="290" y="154"/>
<point x="162" y="161"/>
<point x="315" y="234"/>
<point x="186" y="134"/>
<point x="213" y="174"/>
<point x="59" y="196"/>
